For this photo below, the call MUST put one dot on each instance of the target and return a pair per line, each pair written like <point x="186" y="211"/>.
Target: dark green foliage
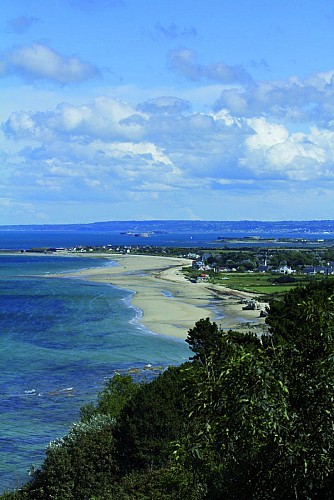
<point x="249" y="339"/>
<point x="285" y="278"/>
<point x="158" y="484"/>
<point x="294" y="258"/>
<point x="78" y="464"/>
<point x="116" y="394"/>
<point x="234" y="258"/>
<point x="292" y="314"/>
<point x="151" y="420"/>
<point x="204" y="339"/>
<point x="239" y="405"/>
<point x="302" y="347"/>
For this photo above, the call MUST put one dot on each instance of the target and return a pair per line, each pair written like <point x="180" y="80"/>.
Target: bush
<point x="77" y="466"/>
<point x="285" y="278"/>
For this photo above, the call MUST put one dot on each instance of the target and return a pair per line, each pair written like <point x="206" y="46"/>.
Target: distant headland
<point x="247" y="227"/>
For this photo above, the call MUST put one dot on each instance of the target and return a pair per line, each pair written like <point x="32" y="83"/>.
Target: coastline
<point x="170" y="303"/>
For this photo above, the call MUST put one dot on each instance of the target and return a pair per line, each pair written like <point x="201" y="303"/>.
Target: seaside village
<point x="284" y="262"/>
<point x="200" y="262"/>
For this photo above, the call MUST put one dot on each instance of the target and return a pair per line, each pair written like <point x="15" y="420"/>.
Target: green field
<point x="260" y="284"/>
<point x="252" y="282"/>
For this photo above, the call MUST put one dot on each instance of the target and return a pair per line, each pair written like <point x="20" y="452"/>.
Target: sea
<point x="61" y="339"/>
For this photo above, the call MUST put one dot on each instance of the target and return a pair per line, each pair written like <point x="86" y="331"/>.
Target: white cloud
<point x="297" y="156"/>
<point x="39" y="62"/>
<point x="118" y="150"/>
<point x="107" y="148"/>
<point x="103" y="117"/>
<point x="98" y="169"/>
<point x="293" y="100"/>
<point x="266" y="134"/>
<point x="184" y="62"/>
<point x="7" y="203"/>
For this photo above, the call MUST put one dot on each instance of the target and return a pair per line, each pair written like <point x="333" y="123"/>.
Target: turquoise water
<point x="60" y="340"/>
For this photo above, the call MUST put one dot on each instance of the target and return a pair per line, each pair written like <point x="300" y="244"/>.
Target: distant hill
<point x="185" y="226"/>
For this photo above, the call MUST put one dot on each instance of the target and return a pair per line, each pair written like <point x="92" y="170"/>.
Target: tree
<point x="235" y="418"/>
<point x="301" y="347"/>
<point x="204" y="339"/>
<point x="150" y="421"/>
<point x="116" y="394"/>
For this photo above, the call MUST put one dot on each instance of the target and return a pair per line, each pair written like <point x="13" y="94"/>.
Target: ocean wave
<point x="167" y="294"/>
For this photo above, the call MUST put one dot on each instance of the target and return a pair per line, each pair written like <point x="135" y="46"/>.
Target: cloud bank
<point x="110" y="149"/>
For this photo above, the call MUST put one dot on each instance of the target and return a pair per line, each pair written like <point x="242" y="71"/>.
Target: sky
<point x="166" y="109"/>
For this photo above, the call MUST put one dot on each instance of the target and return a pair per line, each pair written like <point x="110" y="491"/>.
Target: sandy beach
<point x="171" y="304"/>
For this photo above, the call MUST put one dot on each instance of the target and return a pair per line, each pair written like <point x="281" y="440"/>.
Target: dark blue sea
<point x="23" y="240"/>
<point x="60" y="340"/>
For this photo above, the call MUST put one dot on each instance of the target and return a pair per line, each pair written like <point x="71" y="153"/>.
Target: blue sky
<point x="156" y="109"/>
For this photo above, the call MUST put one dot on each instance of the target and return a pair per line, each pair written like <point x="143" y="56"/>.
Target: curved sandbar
<point x="170" y="303"/>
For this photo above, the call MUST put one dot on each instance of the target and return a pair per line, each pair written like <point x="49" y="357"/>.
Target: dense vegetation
<point x="246" y="418"/>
